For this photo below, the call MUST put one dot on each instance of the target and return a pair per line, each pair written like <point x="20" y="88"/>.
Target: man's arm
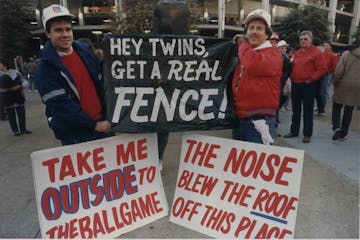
<point x="320" y="67"/>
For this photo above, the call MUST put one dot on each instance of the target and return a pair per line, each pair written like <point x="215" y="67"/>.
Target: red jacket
<point x="331" y="60"/>
<point x="256" y="82"/>
<point x="308" y="65"/>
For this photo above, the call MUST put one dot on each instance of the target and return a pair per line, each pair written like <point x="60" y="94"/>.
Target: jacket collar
<point x="266" y="44"/>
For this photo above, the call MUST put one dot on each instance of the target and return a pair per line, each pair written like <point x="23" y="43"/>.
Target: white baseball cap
<point x="258" y="14"/>
<point x="54" y="11"/>
<point x="282" y="43"/>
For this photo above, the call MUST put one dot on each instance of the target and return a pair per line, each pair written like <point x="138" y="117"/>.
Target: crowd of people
<point x="305" y="76"/>
<point x="270" y="76"/>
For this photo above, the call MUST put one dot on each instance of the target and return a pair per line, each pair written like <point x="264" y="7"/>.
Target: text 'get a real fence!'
<point x="168" y="83"/>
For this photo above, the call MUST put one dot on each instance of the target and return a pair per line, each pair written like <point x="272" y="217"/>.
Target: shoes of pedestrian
<point x="322" y="114"/>
<point x="336" y="134"/>
<point x="26" y="132"/>
<point x="290" y="135"/>
<point x="306" y="139"/>
<point x="17" y="134"/>
<point x="343" y="139"/>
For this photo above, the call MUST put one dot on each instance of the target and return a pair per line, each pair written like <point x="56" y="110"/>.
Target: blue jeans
<point x="303" y="94"/>
<point x="245" y="130"/>
<point x="17" y="125"/>
<point x="322" y="92"/>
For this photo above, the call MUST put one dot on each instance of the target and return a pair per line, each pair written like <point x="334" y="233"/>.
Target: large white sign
<point x="99" y="189"/>
<point x="234" y="189"/>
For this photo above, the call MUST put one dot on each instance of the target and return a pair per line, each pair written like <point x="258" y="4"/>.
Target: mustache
<point x="252" y="35"/>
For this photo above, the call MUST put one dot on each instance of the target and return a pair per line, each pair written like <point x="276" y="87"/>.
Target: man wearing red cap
<point x="256" y="82"/>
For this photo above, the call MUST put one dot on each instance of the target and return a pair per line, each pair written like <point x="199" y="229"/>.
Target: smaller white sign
<point x="99" y="189"/>
<point x="233" y="189"/>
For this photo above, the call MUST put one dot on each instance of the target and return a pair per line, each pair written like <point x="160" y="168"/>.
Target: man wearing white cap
<point x="256" y="81"/>
<point x="282" y="46"/>
<point x="70" y="83"/>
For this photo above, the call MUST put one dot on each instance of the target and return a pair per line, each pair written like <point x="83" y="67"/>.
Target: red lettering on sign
<point x="217" y="219"/>
<point x="81" y="161"/>
<point x="198" y="183"/>
<point x="271" y="233"/>
<point x="236" y="193"/>
<point x="202" y="154"/>
<point x="181" y="207"/>
<point x="131" y="151"/>
<point x="249" y="164"/>
<point x="274" y="203"/>
<point x="245" y="224"/>
<point x="50" y="164"/>
<point x="108" y="221"/>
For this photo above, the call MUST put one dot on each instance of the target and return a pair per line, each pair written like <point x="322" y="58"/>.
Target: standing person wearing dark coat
<point x="69" y="80"/>
<point x="346" y="92"/>
<point x="14" y="100"/>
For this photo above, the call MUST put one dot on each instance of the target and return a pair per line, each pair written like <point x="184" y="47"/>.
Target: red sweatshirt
<point x="331" y="60"/>
<point x="308" y="65"/>
<point x="256" y="82"/>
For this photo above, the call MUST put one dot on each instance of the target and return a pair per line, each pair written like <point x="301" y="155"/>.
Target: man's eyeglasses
<point x="304" y="39"/>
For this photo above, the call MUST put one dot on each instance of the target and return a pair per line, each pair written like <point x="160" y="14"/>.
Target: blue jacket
<point x="58" y="92"/>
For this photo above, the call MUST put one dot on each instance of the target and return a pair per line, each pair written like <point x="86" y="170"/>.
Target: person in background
<point x="346" y="83"/>
<point x="69" y="81"/>
<point x="256" y="82"/>
<point x="308" y="67"/>
<point x="290" y="52"/>
<point x="286" y="70"/>
<point x="322" y="93"/>
<point x="30" y="68"/>
<point x="99" y="53"/>
<point x="3" y="114"/>
<point x="14" y="100"/>
<point x="274" y="39"/>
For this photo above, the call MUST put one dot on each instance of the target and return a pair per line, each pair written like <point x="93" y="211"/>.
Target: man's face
<point x="256" y="33"/>
<point x="283" y="49"/>
<point x="61" y="35"/>
<point x="327" y="47"/>
<point x="274" y="42"/>
<point x="305" y="41"/>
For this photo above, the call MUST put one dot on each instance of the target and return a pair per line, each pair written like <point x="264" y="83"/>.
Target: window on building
<point x="97" y="12"/>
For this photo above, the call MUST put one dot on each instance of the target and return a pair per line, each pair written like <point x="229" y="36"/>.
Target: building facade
<point x="92" y="17"/>
<point x="343" y="15"/>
